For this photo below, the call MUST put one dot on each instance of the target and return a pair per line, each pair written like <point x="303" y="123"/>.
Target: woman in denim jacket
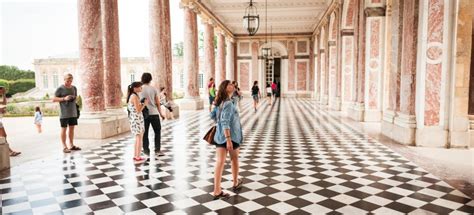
<point x="228" y="137"/>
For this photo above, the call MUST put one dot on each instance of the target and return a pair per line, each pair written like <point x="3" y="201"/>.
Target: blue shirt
<point x="229" y="119"/>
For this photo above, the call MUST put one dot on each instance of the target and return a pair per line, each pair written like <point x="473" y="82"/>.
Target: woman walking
<point x="135" y="116"/>
<point x="228" y="137"/>
<point x="269" y="94"/>
<point x="255" y="94"/>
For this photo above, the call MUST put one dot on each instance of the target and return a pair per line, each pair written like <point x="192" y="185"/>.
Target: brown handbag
<point x="209" y="137"/>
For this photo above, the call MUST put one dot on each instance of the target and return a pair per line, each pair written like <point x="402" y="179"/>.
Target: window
<point x="181" y="79"/>
<point x="201" y="80"/>
<point x="55" y="80"/>
<point x="45" y="80"/>
<point x="132" y="76"/>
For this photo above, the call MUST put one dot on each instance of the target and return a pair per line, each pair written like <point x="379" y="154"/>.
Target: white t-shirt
<point x="150" y="94"/>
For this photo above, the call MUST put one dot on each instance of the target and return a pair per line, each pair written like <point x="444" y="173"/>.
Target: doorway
<point x="277" y="72"/>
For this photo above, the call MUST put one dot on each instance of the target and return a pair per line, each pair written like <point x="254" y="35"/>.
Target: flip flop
<point x="14" y="154"/>
<point x="66" y="150"/>
<point x="75" y="148"/>
<point x="221" y="195"/>
<point x="240" y="181"/>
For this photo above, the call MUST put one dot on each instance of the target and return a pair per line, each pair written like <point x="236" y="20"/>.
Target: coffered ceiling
<point x="284" y="16"/>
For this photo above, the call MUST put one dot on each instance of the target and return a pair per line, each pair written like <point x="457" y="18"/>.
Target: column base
<point x="345" y="107"/>
<point x="324" y="100"/>
<point x="373" y="116"/>
<point x="432" y="137"/>
<point x="404" y="129"/>
<point x="102" y="125"/>
<point x="386" y="126"/>
<point x="335" y="104"/>
<point x="459" y="133"/>
<point x="191" y="104"/>
<point x="4" y="154"/>
<point x="357" y="111"/>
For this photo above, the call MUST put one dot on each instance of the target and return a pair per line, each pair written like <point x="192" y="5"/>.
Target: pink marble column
<point x="110" y="26"/>
<point x="408" y="57"/>
<point x="220" y="58"/>
<point x="230" y="59"/>
<point x="311" y="65"/>
<point x="396" y="23"/>
<point x="291" y="65"/>
<point x="160" y="45"/>
<point x="91" y="64"/>
<point x="209" y="55"/>
<point x="191" y="63"/>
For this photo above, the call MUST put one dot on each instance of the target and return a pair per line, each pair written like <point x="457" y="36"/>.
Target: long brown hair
<point x="222" y="95"/>
<point x="131" y="87"/>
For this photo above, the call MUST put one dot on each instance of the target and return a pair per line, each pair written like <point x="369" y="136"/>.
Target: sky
<point x="32" y="29"/>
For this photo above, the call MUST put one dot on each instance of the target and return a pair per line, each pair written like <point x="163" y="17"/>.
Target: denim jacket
<point x="229" y="119"/>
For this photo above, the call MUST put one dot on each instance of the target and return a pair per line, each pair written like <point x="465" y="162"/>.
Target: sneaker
<point x="159" y="154"/>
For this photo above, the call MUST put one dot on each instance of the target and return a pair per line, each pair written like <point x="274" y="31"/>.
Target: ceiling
<point x="284" y="16"/>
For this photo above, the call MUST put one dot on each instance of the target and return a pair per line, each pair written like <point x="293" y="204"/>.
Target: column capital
<point x="229" y="39"/>
<point x="189" y="5"/>
<point x="205" y="20"/>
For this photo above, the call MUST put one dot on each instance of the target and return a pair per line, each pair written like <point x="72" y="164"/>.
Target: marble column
<point x="405" y="121"/>
<point x="229" y="71"/>
<point x="374" y="63"/>
<point x="291" y="65"/>
<point x="220" y="67"/>
<point x="95" y="123"/>
<point x="433" y="73"/>
<point x="334" y="103"/>
<point x="91" y="64"/>
<point x="209" y="55"/>
<point x="111" y="44"/>
<point x="393" y="45"/>
<point x="317" y="89"/>
<point x="191" y="100"/>
<point x="160" y="49"/>
<point x="323" y="59"/>
<point x="357" y="111"/>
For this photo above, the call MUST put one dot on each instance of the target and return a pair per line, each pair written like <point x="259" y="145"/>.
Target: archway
<point x="276" y="71"/>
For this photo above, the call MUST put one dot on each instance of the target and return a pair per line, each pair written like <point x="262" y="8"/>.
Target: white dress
<point x="137" y="125"/>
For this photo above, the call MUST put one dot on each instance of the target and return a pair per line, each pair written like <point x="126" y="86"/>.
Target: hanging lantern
<point x="266" y="52"/>
<point x="251" y="19"/>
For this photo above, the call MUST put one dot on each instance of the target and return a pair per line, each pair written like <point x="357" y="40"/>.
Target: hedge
<point x="17" y="86"/>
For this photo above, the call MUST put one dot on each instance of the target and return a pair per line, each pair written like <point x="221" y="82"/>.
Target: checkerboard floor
<point x="296" y="158"/>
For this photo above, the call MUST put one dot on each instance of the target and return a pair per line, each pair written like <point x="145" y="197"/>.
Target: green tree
<point x="14" y="73"/>
<point x="178" y="49"/>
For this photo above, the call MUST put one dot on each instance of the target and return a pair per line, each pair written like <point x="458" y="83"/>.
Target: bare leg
<point x="220" y="161"/>
<point x="234" y="156"/>
<point x="63" y="137"/>
<point x="71" y="135"/>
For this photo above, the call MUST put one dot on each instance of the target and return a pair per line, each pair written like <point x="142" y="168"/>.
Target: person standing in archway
<point x="66" y="95"/>
<point x="211" y="90"/>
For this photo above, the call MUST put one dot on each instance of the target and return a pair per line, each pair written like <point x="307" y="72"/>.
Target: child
<point x="38" y="119"/>
<point x="135" y="116"/>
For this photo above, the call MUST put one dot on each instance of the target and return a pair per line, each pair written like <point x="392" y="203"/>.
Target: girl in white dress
<point x="135" y="116"/>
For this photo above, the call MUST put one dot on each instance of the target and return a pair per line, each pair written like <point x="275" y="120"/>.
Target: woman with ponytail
<point x="135" y="116"/>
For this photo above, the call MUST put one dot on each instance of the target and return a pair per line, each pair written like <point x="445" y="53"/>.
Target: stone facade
<point x="49" y="73"/>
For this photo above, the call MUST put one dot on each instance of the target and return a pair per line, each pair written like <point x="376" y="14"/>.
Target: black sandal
<point x="221" y="195"/>
<point x="240" y="181"/>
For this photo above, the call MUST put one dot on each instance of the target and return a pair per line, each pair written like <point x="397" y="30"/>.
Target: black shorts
<point x="234" y="144"/>
<point x="68" y="121"/>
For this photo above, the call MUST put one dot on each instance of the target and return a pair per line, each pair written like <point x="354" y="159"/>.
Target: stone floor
<point x="296" y="158"/>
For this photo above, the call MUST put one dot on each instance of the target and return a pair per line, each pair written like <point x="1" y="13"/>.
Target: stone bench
<point x="4" y="154"/>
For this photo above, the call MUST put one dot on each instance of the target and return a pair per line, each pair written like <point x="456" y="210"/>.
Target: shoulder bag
<point x="209" y="137"/>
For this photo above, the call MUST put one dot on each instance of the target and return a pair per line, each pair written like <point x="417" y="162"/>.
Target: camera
<point x="142" y="100"/>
